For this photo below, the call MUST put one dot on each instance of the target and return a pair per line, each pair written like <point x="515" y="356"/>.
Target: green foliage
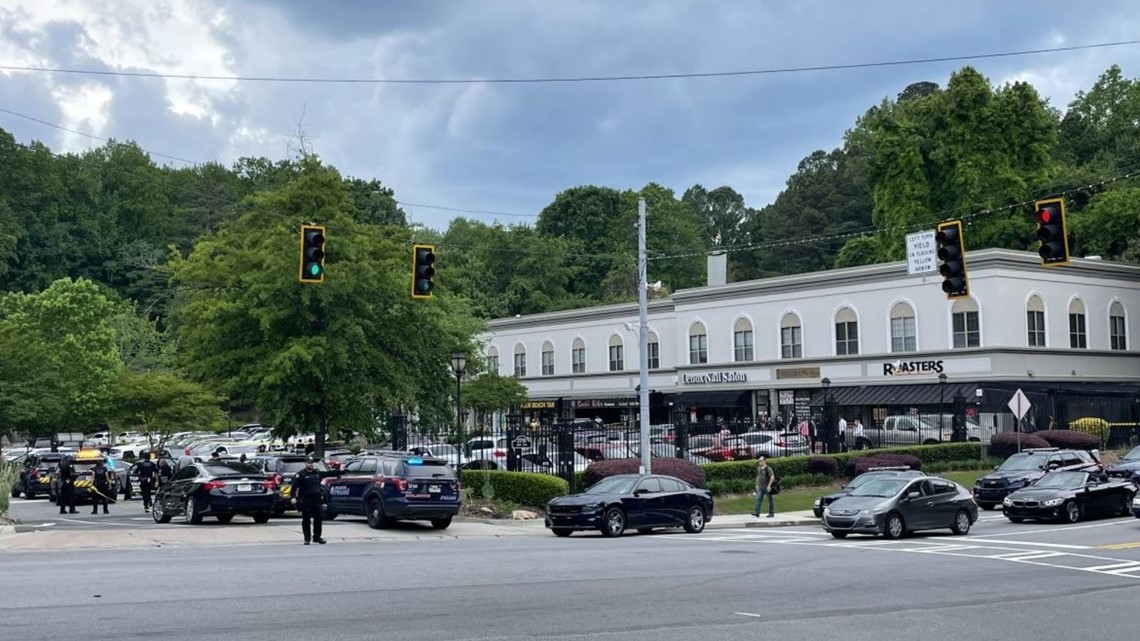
<point x="524" y="488"/>
<point x="9" y="474"/>
<point x="156" y="402"/>
<point x="490" y="392"/>
<point x="797" y="466"/>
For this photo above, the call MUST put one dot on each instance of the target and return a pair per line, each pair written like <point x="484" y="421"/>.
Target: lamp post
<point x="458" y="367"/>
<point x="827" y="417"/>
<point x="941" y="403"/>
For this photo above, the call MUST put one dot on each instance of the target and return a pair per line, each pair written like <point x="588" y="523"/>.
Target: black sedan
<point x="221" y="489"/>
<point x="895" y="507"/>
<point x="866" y="477"/>
<point x="631" y="501"/>
<point x="1070" y="496"/>
<point x="1128" y="467"/>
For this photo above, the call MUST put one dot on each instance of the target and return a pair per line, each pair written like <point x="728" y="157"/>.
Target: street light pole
<point x="832" y="424"/>
<point x="458" y="366"/>
<point x="941" y="404"/>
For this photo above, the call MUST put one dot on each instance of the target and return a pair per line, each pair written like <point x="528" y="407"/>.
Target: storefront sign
<point x="538" y="405"/>
<point x="912" y="368"/>
<point x="798" y="372"/>
<point x="787" y="397"/>
<point x="603" y="403"/>
<point x="714" y="377"/>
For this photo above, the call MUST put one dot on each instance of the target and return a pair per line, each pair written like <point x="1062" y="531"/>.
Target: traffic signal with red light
<point x="423" y="256"/>
<point x="312" y="268"/>
<point x="952" y="253"/>
<point x="1053" y="232"/>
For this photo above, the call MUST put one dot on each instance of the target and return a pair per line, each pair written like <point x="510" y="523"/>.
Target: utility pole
<point x="643" y="336"/>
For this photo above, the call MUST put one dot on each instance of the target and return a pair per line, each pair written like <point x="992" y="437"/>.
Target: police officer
<point x="306" y="493"/>
<point x="102" y="486"/>
<point x="147" y="472"/>
<point x="67" y="487"/>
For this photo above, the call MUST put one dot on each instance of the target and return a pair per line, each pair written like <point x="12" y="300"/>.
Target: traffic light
<point x="1052" y="231"/>
<point x="312" y="267"/>
<point x="422" y="271"/>
<point x="952" y="253"/>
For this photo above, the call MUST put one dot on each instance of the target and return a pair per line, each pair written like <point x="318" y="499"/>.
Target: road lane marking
<point x="1121" y="546"/>
<point x="1115" y="567"/>
<point x="748" y="614"/>
<point x="1060" y="546"/>
<point x="1057" y="529"/>
<point x="1025" y="556"/>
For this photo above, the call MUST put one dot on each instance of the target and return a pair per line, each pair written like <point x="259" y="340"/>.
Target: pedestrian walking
<point x="306" y="493"/>
<point x="765" y="477"/>
<point x="67" y="487"/>
<point x="102" y="484"/>
<point x="186" y="458"/>
<point x="147" y="472"/>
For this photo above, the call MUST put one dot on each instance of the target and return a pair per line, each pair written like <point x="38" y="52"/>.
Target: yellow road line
<point x="1121" y="546"/>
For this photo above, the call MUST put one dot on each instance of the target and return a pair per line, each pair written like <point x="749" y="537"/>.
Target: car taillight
<point x="213" y="485"/>
<point x="500" y="454"/>
<point x="270" y="484"/>
<point x="401" y="484"/>
<point x="379" y="481"/>
<point x="278" y="479"/>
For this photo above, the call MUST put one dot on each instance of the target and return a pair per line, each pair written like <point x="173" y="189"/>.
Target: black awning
<point x="887" y="395"/>
<point x="713" y="398"/>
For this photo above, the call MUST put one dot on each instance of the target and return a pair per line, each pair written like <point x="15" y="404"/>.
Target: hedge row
<point x="524" y="488"/>
<point x="687" y="471"/>
<point x="789" y="466"/>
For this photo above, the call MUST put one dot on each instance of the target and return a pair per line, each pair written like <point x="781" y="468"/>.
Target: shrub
<point x="1004" y="445"/>
<point x="956" y="466"/>
<point x="687" y="471"/>
<point x="731" y="486"/>
<point x="805" y="480"/>
<point x="797" y="465"/>
<point x="1070" y="438"/>
<point x="1098" y="427"/>
<point x="525" y="488"/>
<point x="822" y="465"/>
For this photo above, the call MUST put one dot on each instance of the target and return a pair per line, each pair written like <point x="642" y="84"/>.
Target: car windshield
<point x="229" y="469"/>
<point x="427" y="470"/>
<point x="880" y="487"/>
<point x="1063" y="480"/>
<point x="1023" y="462"/>
<point x="1134" y="455"/>
<point x="613" y="485"/>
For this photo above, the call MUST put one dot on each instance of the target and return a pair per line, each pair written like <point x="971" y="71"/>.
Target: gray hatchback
<point x="895" y="507"/>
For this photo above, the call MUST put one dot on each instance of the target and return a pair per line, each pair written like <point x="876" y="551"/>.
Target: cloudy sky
<point x="511" y="147"/>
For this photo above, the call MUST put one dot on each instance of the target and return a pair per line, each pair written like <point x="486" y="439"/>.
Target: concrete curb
<point x="812" y="521"/>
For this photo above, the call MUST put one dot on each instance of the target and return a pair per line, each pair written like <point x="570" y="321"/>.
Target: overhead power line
<point x="565" y="79"/>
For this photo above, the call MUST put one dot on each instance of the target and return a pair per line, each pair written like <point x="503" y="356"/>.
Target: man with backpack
<point x="765" y="484"/>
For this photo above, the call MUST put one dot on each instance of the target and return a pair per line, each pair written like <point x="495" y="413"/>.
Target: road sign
<point x="521" y="443"/>
<point x="1019" y="404"/>
<point x="921" y="253"/>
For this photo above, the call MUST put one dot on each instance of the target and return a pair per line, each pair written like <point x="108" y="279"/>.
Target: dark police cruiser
<point x="631" y="501"/>
<point x="396" y="486"/>
<point x="870" y="475"/>
<point x="1070" y="496"/>
<point x="1025" y="467"/>
<point x="897" y="506"/>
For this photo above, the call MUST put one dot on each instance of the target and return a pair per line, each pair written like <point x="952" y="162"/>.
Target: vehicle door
<point x="916" y="511"/>
<point x="644" y="508"/>
<point x="1098" y="495"/>
<point x="945" y="499"/>
<point x="905" y="432"/>
<point x="179" y="488"/>
<point x="346" y="493"/>
<point x="675" y="501"/>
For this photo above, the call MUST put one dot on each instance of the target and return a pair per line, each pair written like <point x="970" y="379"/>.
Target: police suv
<point x="395" y="486"/>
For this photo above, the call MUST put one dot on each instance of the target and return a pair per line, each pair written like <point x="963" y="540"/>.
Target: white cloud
<point x="84" y="108"/>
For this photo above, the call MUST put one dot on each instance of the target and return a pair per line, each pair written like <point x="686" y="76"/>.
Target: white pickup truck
<point x="905" y="429"/>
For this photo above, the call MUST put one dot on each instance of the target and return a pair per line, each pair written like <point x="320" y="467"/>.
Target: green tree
<point x="162" y="403"/>
<point x="327" y="357"/>
<point x="489" y="393"/>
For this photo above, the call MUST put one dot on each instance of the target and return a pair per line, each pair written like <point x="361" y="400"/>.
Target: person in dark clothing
<point x="102" y="482"/>
<point x="308" y="496"/>
<point x="67" y="487"/>
<point x="147" y="472"/>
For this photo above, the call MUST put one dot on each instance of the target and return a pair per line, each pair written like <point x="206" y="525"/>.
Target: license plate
<point x="245" y="487"/>
<point x="434" y="489"/>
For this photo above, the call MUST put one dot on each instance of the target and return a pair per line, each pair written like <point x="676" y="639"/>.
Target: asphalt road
<point x="1002" y="582"/>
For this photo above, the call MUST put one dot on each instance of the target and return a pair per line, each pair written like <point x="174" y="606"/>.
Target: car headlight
<point x="827" y="510"/>
<point x="818" y="502"/>
<point x="1052" y="502"/>
<point x="1007" y="501"/>
<point x="1136" y="502"/>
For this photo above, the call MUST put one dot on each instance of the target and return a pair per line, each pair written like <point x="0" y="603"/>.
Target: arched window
<point x="1078" y="331"/>
<point x="791" y="337"/>
<point x="1117" y="332"/>
<point x="578" y="356"/>
<point x="548" y="359"/>
<point x="904" y="335"/>
<point x="654" y="349"/>
<point x="698" y="344"/>
<point x="742" y="343"/>
<point x="966" y="324"/>
<point x="520" y="360"/>
<point x="493" y="360"/>
<point x="846" y="332"/>
<point x="1035" y="321"/>
<point x="617" y="354"/>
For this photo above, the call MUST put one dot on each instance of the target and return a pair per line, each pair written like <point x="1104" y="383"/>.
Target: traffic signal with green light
<point x="423" y="256"/>
<point x="952" y="253"/>
<point x="1053" y="232"/>
<point x="312" y="268"/>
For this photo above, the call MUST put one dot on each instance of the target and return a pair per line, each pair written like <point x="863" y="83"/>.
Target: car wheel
<point x="1072" y="512"/>
<point x="930" y="441"/>
<point x="839" y="535"/>
<point x="1015" y="519"/>
<point x="613" y="523"/>
<point x="961" y="523"/>
<point x="191" y="512"/>
<point x="561" y="531"/>
<point x="376" y="517"/>
<point x="158" y="514"/>
<point x="225" y="518"/>
<point x="895" y="527"/>
<point x="862" y="445"/>
<point x="441" y="524"/>
<point x="261" y="518"/>
<point x="695" y="524"/>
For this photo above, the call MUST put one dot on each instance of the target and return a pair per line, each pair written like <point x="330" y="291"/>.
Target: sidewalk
<point x="782" y="519"/>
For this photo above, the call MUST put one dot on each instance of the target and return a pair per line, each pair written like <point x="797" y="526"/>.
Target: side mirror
<point x="996" y="467"/>
<point x="1052" y="466"/>
<point x="913" y="495"/>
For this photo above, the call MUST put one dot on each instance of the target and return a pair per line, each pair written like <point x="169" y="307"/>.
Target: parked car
<point x="767" y="444"/>
<point x="857" y="482"/>
<point x="1127" y="467"/>
<point x="894" y="507"/>
<point x="281" y="468"/>
<point x="396" y="486"/>
<point x="641" y="502"/>
<point x="1069" y="497"/>
<point x="1025" y="467"/>
<point x="221" y="489"/>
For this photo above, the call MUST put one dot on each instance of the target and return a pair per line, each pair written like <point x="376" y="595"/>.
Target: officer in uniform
<point x="67" y="487"/>
<point x="308" y="496"/>
<point x="148" y="473"/>
<point x="102" y="487"/>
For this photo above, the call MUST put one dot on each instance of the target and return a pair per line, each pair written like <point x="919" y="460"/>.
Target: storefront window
<point x="904" y="337"/>
<point x="965" y="322"/>
<point x="791" y="337"/>
<point x="698" y="345"/>
<point x="654" y="352"/>
<point x="520" y="361"/>
<point x="742" y="341"/>
<point x="578" y="357"/>
<point x="1118" y="338"/>
<point x="846" y="333"/>
<point x="617" y="356"/>
<point x="1035" y="321"/>
<point x="548" y="359"/>
<point x="1078" y="336"/>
